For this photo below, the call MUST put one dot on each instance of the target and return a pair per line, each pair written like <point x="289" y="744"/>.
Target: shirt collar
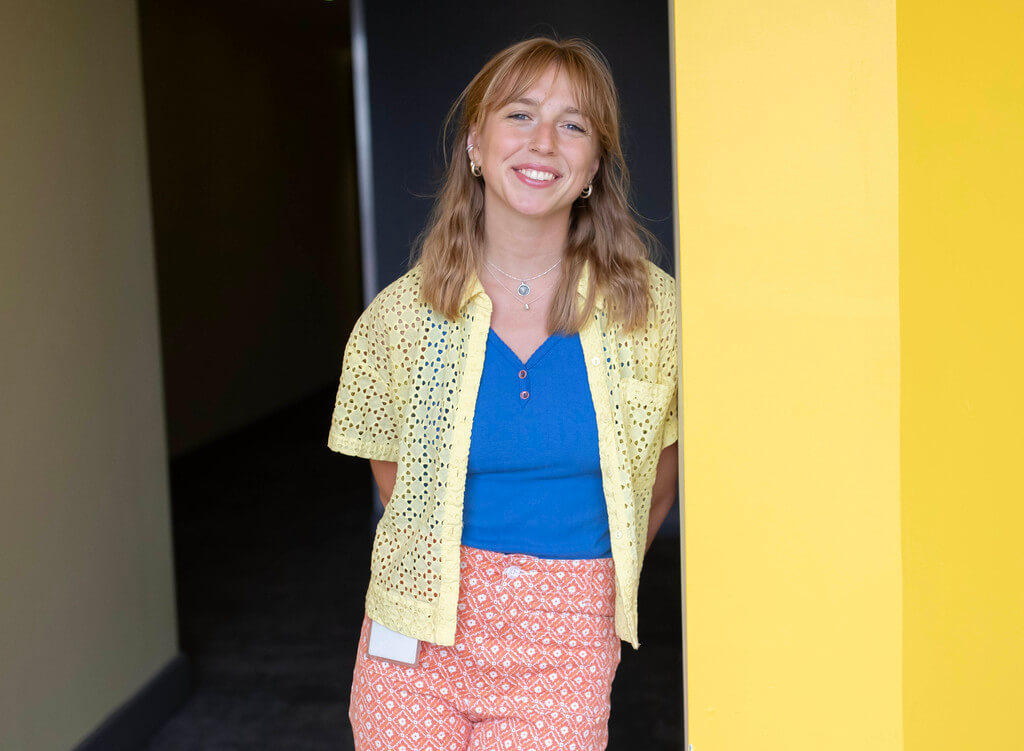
<point x="474" y="288"/>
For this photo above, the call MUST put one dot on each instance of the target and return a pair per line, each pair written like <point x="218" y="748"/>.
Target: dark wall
<point x="421" y="56"/>
<point x="252" y="166"/>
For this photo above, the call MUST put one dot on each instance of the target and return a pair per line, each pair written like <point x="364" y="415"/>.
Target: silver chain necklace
<point x="523" y="289"/>
<point x="526" y="305"/>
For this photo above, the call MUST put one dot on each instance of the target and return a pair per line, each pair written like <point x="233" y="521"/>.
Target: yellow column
<point x="961" y="112"/>
<point x="786" y="150"/>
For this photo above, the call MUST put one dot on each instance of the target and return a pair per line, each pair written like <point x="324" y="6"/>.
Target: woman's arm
<point x="384" y="473"/>
<point x="664" y="494"/>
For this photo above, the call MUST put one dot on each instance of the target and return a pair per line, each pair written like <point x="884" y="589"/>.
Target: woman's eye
<point x="521" y="116"/>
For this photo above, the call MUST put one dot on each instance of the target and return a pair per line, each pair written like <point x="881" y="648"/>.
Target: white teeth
<point x="535" y="175"/>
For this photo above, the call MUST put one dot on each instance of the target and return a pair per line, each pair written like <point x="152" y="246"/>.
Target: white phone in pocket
<point x="392" y="646"/>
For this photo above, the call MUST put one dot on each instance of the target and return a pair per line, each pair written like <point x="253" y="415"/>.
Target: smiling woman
<point x="549" y="107"/>
<point x="515" y="392"/>
<point x="540" y="141"/>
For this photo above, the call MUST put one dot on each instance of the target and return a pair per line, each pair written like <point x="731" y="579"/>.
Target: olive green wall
<point x="86" y="589"/>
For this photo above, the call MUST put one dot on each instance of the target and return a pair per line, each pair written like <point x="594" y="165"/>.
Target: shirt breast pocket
<point x="646" y="404"/>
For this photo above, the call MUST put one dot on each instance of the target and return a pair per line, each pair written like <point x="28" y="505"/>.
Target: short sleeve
<point x="668" y="370"/>
<point x="365" y="421"/>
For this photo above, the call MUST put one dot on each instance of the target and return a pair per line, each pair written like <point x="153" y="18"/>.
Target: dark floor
<point x="272" y="536"/>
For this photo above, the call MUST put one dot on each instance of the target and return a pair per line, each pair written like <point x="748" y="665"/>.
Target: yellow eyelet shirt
<point x="407" y="393"/>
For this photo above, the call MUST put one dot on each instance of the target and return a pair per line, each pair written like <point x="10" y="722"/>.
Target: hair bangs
<point x="516" y="74"/>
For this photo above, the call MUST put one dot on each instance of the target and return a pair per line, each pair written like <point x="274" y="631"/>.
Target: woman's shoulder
<point x="399" y="301"/>
<point x="663" y="289"/>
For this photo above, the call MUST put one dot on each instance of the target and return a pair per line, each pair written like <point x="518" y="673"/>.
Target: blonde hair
<point x="602" y="228"/>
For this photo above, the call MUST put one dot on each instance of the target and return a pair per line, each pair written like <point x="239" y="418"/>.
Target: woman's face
<point x="537" y="153"/>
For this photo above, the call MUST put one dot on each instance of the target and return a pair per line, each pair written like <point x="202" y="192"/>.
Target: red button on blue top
<point x="522" y="374"/>
<point x="524" y="394"/>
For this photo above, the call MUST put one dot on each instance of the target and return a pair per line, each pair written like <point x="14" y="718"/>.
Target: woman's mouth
<point x="535" y="177"/>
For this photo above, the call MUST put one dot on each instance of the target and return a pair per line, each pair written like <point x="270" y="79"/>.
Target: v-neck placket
<point x="603" y="379"/>
<point x="523" y="370"/>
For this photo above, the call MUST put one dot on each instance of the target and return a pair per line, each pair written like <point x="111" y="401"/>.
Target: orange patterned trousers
<point x="532" y="666"/>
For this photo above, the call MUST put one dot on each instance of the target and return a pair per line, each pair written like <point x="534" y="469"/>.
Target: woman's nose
<point x="544" y="138"/>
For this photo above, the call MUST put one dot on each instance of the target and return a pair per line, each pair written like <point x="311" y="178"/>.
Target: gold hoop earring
<point x="587" y="191"/>
<point x="473" y="166"/>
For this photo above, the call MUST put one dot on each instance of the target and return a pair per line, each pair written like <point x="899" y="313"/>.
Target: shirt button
<point x="524" y="394"/>
<point x="595" y="360"/>
<point x="522" y="374"/>
<point x="618" y="534"/>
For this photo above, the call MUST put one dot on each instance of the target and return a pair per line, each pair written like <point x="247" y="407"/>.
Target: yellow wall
<point x="961" y="110"/>
<point x="787" y="189"/>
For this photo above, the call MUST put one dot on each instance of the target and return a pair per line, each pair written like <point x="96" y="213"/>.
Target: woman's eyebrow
<point x="571" y="110"/>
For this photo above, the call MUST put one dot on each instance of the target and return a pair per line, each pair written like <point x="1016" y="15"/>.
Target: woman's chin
<point x="537" y="210"/>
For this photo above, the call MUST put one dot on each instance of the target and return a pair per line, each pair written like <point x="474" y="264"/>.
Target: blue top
<point x="533" y="482"/>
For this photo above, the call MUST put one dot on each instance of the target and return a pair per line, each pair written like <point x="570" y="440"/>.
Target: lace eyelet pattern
<point x="407" y="391"/>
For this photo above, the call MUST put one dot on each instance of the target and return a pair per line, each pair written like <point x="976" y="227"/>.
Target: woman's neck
<point x="523" y="245"/>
